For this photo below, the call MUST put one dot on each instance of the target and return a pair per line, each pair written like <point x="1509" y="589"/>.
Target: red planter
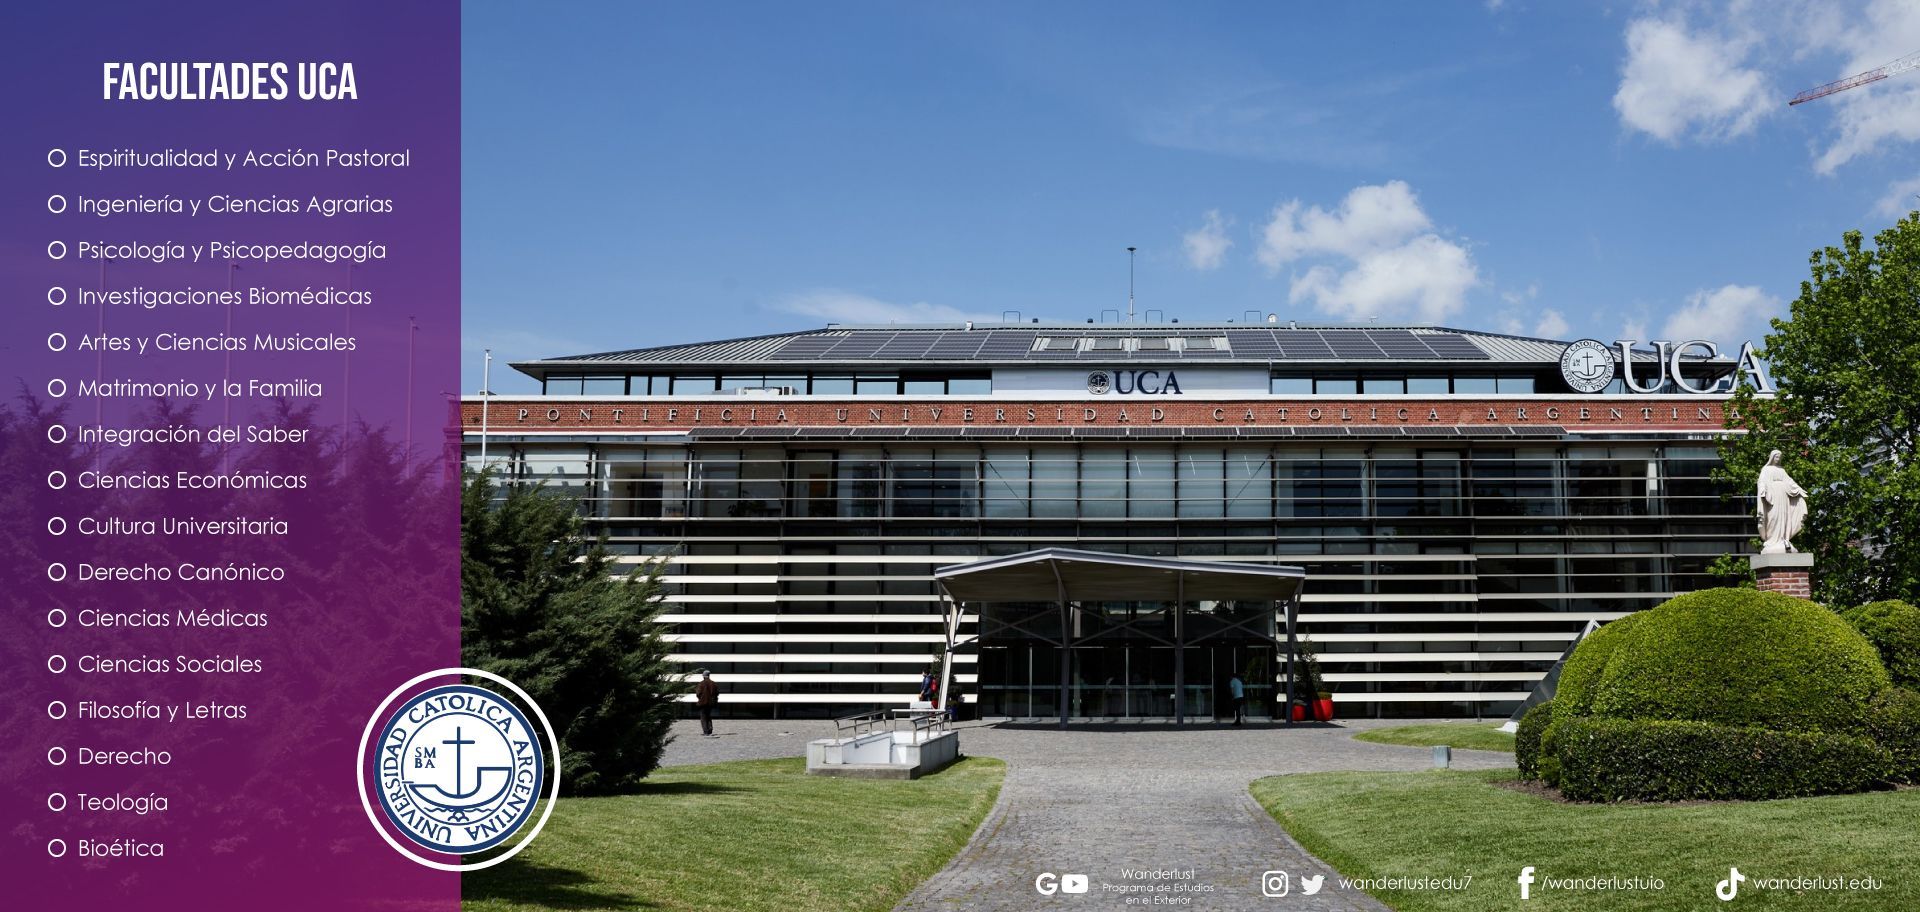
<point x="1322" y="711"/>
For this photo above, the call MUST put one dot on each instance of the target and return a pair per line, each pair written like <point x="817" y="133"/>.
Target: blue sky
<point x="642" y="174"/>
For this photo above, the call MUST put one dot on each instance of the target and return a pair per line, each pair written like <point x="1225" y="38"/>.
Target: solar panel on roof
<point x="956" y="346"/>
<point x="1305" y="345"/>
<point x="1254" y="342"/>
<point x="1454" y="347"/>
<point x="907" y="345"/>
<point x="1399" y="343"/>
<point x="806" y="346"/>
<point x="1352" y="344"/>
<point x="860" y="346"/>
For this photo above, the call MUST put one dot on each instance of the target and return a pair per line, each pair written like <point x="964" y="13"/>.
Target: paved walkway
<point x="1110" y="802"/>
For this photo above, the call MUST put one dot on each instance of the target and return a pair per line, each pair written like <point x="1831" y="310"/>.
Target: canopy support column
<point x="1293" y="655"/>
<point x="1180" y="649"/>
<point x="1066" y="642"/>
<point x="943" y="698"/>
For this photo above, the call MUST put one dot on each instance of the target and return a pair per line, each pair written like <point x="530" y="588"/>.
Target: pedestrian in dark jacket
<point x="705" y="695"/>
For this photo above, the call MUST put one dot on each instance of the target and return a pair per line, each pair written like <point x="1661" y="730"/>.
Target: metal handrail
<point x="922" y="720"/>
<point x="860" y="723"/>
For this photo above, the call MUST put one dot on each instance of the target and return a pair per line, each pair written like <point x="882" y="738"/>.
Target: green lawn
<point x="1457" y="735"/>
<point x="753" y="835"/>
<point x="1450" y="822"/>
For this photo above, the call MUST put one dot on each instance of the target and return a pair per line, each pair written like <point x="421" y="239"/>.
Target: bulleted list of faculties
<point x="234" y="298"/>
<point x="183" y="415"/>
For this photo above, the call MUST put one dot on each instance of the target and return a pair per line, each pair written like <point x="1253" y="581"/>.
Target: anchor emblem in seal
<point x="459" y="769"/>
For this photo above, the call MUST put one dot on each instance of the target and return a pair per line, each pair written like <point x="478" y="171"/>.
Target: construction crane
<point x="1909" y="62"/>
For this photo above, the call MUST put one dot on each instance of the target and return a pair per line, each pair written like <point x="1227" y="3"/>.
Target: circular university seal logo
<point x="1587" y="366"/>
<point x="456" y="769"/>
<point x="1099" y="382"/>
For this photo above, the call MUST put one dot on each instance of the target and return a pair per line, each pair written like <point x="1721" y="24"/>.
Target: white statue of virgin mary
<point x="1782" y="507"/>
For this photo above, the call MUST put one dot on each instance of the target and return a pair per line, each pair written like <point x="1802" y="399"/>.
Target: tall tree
<point x="1847" y="417"/>
<point x="546" y="607"/>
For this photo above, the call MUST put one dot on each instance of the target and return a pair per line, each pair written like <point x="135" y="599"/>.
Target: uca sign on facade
<point x="1589" y="366"/>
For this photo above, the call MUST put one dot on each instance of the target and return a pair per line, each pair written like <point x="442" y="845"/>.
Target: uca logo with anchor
<point x="1587" y="366"/>
<point x="457" y="769"/>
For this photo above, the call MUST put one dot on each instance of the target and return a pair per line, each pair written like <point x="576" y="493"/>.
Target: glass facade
<point x="1442" y="580"/>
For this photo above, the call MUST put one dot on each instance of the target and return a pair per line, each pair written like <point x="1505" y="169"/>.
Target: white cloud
<point x="1901" y="198"/>
<point x="1207" y="245"/>
<point x="1634" y="329"/>
<point x="1370" y="218"/>
<point x="1679" y="83"/>
<point x="1394" y="265"/>
<point x="1870" y="120"/>
<point x="837" y="306"/>
<point x="1727" y="314"/>
<point x="1523" y="295"/>
<point x="1551" y="325"/>
<point x="1426" y="277"/>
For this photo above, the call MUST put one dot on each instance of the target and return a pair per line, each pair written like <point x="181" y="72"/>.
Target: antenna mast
<point x="1130" y="285"/>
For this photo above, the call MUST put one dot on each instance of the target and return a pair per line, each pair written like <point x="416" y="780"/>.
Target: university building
<point x="1462" y="503"/>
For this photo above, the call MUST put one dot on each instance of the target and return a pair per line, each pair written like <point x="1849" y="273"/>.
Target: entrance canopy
<point x="1069" y="578"/>
<point x="1097" y="576"/>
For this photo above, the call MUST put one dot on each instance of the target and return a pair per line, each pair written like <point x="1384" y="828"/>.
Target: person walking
<point x="929" y="687"/>
<point x="1238" y="690"/>
<point x="705" y="696"/>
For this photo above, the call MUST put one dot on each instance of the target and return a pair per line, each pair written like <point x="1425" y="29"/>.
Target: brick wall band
<point x="1662" y="413"/>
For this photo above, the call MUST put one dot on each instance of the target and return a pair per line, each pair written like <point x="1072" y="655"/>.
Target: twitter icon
<point x="1311" y="885"/>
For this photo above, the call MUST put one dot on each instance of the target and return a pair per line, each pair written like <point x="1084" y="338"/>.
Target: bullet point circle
<point x="56" y="710"/>
<point x="56" y="479"/>
<point x="57" y="526"/>
<point x="56" y="618"/>
<point x="56" y="387"/>
<point x="57" y="250"/>
<point x="56" y="433"/>
<point x="56" y="663"/>
<point x="56" y="203"/>
<point x="57" y="756"/>
<point x="56" y="296"/>
<point x="57" y="342"/>
<point x="57" y="157"/>
<point x="56" y="572"/>
<point x="56" y="847"/>
<point x="56" y="802"/>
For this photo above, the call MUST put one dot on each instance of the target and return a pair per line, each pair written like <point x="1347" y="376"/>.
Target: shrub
<point x="1526" y="739"/>
<point x="1896" y="725"/>
<point x="1624" y="760"/>
<point x="1893" y="627"/>
<point x="1548" y="758"/>
<point x="1743" y="658"/>
<point x="1573" y="696"/>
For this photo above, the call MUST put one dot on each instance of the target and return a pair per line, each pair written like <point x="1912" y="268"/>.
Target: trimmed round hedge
<point x="1626" y="760"/>
<point x="1896" y="725"/>
<point x="1573" y="695"/>
<point x="1526" y="738"/>
<point x="1742" y="658"/>
<point x="1893" y="627"/>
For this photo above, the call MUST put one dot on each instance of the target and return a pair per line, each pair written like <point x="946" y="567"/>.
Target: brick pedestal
<point x="1787" y="574"/>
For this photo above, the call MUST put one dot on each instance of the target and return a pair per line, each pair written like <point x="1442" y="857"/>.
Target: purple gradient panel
<point x="263" y="812"/>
